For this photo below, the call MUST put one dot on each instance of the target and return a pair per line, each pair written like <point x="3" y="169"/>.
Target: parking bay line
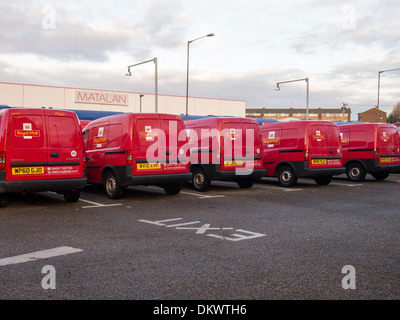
<point x="278" y="188"/>
<point x="44" y="254"/>
<point x="96" y="204"/>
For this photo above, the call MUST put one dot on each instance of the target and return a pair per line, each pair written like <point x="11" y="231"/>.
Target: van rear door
<point x="388" y="146"/>
<point x="172" y="128"/>
<point x="26" y="152"/>
<point x="65" y="150"/>
<point x="318" y="146"/>
<point x="232" y="145"/>
<point x="148" y="152"/>
<point x="335" y="153"/>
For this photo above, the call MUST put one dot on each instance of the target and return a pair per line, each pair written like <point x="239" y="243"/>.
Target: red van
<point x="370" y="148"/>
<point x="136" y="149"/>
<point x="83" y="123"/>
<point x="224" y="149"/>
<point x="41" y="150"/>
<point x="302" y="149"/>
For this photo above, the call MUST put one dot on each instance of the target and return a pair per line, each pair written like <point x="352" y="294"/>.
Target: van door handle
<point x="54" y="154"/>
<point x="331" y="151"/>
<point x="168" y="153"/>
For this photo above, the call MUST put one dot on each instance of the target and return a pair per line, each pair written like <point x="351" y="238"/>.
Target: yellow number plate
<point x="318" y="161"/>
<point x="27" y="170"/>
<point x="233" y="163"/>
<point x="386" y="159"/>
<point x="144" y="166"/>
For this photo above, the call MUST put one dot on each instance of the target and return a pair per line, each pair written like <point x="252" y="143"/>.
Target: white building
<point x="39" y="96"/>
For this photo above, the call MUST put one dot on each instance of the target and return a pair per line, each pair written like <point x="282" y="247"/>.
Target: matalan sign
<point x="98" y="97"/>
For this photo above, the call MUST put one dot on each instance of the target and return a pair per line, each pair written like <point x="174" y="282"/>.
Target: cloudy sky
<point x="339" y="45"/>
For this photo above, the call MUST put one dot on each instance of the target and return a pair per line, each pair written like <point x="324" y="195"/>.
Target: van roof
<point x="297" y="124"/>
<point x="128" y="115"/>
<point x="366" y="125"/>
<point x="217" y="120"/>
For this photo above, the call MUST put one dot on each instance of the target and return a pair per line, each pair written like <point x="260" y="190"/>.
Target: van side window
<point x="289" y="138"/>
<point x="114" y="136"/>
<point x="27" y="132"/>
<point x="63" y="133"/>
<point x="358" y="139"/>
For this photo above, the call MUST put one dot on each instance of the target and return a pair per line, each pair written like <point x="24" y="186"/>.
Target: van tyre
<point x="114" y="190"/>
<point x="356" y="172"/>
<point x="200" y="180"/>
<point x="245" y="183"/>
<point x="323" y="181"/>
<point x="380" y="175"/>
<point x="286" y="176"/>
<point x="172" y="189"/>
<point x="72" y="195"/>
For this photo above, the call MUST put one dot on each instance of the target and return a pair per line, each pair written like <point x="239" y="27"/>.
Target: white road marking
<point x="203" y="196"/>
<point x="278" y="188"/>
<point x="44" y="254"/>
<point x="346" y="184"/>
<point x="96" y="204"/>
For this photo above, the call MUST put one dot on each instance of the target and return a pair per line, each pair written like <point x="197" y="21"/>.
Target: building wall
<point x="302" y="116"/>
<point x="37" y="96"/>
<point x="371" y="115"/>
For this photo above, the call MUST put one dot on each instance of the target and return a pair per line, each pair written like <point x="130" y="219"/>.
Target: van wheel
<point x="245" y="183"/>
<point x="323" y="181"/>
<point x="173" y="189"/>
<point x="113" y="188"/>
<point x="72" y="195"/>
<point x="200" y="180"/>
<point x="286" y="176"/>
<point x="380" y="175"/>
<point x="356" y="172"/>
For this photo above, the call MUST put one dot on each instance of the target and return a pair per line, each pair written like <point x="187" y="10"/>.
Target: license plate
<point x="27" y="170"/>
<point x="386" y="159"/>
<point x="233" y="163"/>
<point x="318" y="161"/>
<point x="145" y="166"/>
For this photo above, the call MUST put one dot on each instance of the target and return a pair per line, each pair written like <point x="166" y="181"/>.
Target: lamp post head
<point x="211" y="35"/>
<point x="277" y="87"/>
<point x="129" y="73"/>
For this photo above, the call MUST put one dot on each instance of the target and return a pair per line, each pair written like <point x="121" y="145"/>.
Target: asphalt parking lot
<point x="262" y="243"/>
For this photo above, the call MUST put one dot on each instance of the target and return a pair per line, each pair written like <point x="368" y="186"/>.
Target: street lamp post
<point x="155" y="76"/>
<point x="308" y="90"/>
<point x="379" y="84"/>
<point x="187" y="71"/>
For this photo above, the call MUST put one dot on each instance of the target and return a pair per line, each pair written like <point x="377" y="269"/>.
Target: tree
<point x="395" y="113"/>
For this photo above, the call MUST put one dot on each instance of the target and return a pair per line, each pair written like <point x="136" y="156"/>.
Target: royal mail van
<point x="41" y="150"/>
<point x="136" y="149"/>
<point x="83" y="123"/>
<point x="302" y="149"/>
<point x="224" y="149"/>
<point x="370" y="148"/>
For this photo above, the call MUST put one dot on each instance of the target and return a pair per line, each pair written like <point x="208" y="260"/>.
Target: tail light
<point x="306" y="155"/>
<point x="129" y="158"/>
<point x="84" y="158"/>
<point x="2" y="160"/>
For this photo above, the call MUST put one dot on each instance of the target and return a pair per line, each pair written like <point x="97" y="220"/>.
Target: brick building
<point x="371" y="115"/>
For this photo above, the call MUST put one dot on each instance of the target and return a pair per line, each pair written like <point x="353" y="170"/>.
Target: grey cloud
<point x="74" y="38"/>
